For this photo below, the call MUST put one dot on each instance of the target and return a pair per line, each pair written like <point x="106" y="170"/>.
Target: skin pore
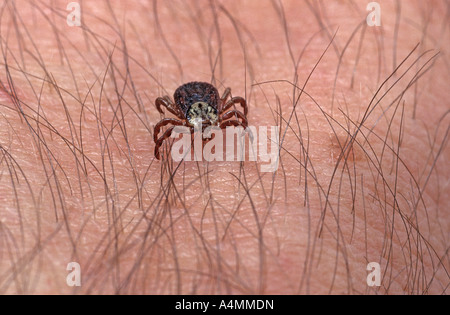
<point x="363" y="171"/>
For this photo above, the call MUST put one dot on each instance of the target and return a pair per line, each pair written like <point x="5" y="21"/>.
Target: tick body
<point x="198" y="100"/>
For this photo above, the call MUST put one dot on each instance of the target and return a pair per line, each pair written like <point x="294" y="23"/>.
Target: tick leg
<point x="161" y="139"/>
<point x="163" y="123"/>
<point x="167" y="103"/>
<point x="235" y="113"/>
<point x="159" y="142"/>
<point x="226" y="94"/>
<point x="236" y="100"/>
<point x="237" y="123"/>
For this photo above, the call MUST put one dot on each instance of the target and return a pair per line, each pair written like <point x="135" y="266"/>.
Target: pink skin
<point x="79" y="181"/>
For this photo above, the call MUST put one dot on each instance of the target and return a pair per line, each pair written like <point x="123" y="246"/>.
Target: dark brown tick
<point x="198" y="100"/>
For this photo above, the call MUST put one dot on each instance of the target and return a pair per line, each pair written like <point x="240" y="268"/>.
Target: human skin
<point x="363" y="173"/>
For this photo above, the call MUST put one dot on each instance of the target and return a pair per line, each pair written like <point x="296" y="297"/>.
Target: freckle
<point x="345" y="148"/>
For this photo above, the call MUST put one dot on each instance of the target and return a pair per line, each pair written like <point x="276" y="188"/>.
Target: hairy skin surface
<point x="363" y="174"/>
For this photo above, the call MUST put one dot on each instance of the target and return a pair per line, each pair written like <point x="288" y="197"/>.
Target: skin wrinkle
<point x="78" y="179"/>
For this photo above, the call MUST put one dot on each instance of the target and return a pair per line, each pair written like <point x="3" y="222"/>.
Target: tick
<point x="198" y="100"/>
